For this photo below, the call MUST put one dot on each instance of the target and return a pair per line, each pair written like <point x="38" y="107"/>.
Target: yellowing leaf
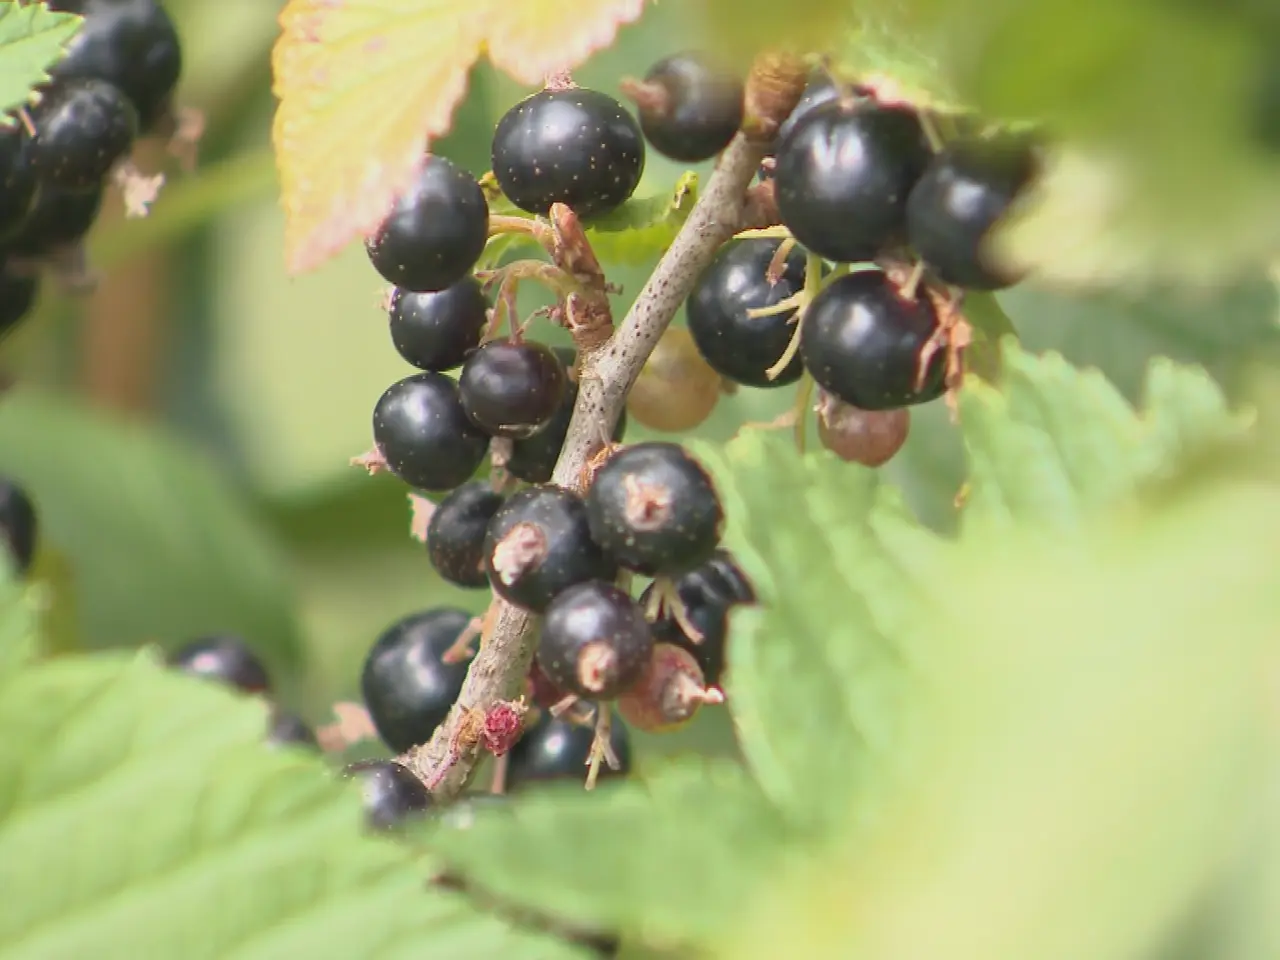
<point x="365" y="85"/>
<point x="532" y="38"/>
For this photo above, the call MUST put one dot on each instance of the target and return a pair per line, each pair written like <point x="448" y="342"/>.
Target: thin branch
<point x="606" y="374"/>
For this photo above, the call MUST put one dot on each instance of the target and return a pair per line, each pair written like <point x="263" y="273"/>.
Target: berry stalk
<point x="606" y="374"/>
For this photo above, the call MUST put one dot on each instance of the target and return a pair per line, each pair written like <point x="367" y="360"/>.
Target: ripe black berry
<point x="737" y="346"/>
<point x="559" y="749"/>
<point x="534" y="458"/>
<point x="862" y="341"/>
<point x="819" y="90"/>
<point x="17" y="296"/>
<point x="290" y="730"/>
<point x="677" y="389"/>
<point x="595" y="640"/>
<point x="18" y="181"/>
<point x="392" y="794"/>
<point x="83" y="127"/>
<point x="511" y="389"/>
<point x="436" y="231"/>
<point x="131" y="44"/>
<point x="690" y="107"/>
<point x="655" y="509"/>
<point x="843" y="176"/>
<point x="60" y="218"/>
<point x="539" y="544"/>
<point x="436" y="331"/>
<point x="457" y="530"/>
<point x="708" y="593"/>
<point x="963" y="194"/>
<point x="226" y="659"/>
<point x="407" y="688"/>
<point x="578" y="147"/>
<point x="19" y="525"/>
<point x="868" y="437"/>
<point x="424" y="435"/>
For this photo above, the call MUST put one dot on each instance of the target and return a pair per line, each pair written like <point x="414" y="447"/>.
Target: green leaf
<point x="19" y="628"/>
<point x="669" y="860"/>
<point x="640" y="230"/>
<point x="32" y="39"/>
<point x="1098" y="744"/>
<point x="161" y="548"/>
<point x="142" y="816"/>
<point x="815" y="689"/>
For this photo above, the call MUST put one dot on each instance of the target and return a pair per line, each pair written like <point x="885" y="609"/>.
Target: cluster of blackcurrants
<point x="114" y="85"/>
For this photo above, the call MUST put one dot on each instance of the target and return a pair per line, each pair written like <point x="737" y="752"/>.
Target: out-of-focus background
<point x="186" y="430"/>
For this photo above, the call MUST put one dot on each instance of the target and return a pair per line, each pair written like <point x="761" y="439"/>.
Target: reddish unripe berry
<point x="668" y="692"/>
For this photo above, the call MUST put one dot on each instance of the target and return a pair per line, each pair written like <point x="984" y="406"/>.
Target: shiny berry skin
<point x="60" y="218"/>
<point x="559" y="749"/>
<point x="19" y="183"/>
<point x="861" y="341"/>
<point x="738" y="347"/>
<point x="868" y="437"/>
<point x="843" y="176"/>
<point x="290" y="730"/>
<point x="436" y="331"/>
<point x="595" y="640"/>
<point x="677" y="389"/>
<point x="964" y="192"/>
<point x="407" y="688"/>
<point x="83" y="128"/>
<point x="655" y="509"/>
<point x="421" y="430"/>
<point x="534" y="459"/>
<point x="436" y="231"/>
<point x="819" y="90"/>
<point x="131" y="44"/>
<point x="456" y="533"/>
<point x="723" y="576"/>
<point x="511" y="389"/>
<point x="226" y="659"/>
<point x="578" y="147"/>
<point x="19" y="525"/>
<point x="539" y="544"/>
<point x="696" y="107"/>
<point x="392" y="794"/>
<point x="17" y="297"/>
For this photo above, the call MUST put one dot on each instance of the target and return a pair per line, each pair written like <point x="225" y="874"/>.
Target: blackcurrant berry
<point x="422" y="432"/>
<point x="456" y="533"/>
<point x="60" y="218"/>
<point x="17" y="297"/>
<point x="392" y="794"/>
<point x="677" y="389"/>
<point x="539" y="544"/>
<point x="690" y="107"/>
<point x="723" y="575"/>
<point x="131" y="44"/>
<point x="965" y="191"/>
<point x="436" y="331"/>
<point x="669" y="691"/>
<point x="868" y="437"/>
<point x="290" y="730"/>
<point x="739" y="347"/>
<point x="819" y="90"/>
<point x="407" y="687"/>
<point x="83" y="128"/>
<point x="226" y="659"/>
<point x="655" y="509"/>
<point x="559" y="750"/>
<point x="595" y="640"/>
<point x="512" y="389"/>
<point x="577" y="147"/>
<point x="19" y="183"/>
<point x="843" y="176"/>
<point x="861" y="340"/>
<point x="534" y="458"/>
<point x="19" y="525"/>
<point x="436" y="231"/>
